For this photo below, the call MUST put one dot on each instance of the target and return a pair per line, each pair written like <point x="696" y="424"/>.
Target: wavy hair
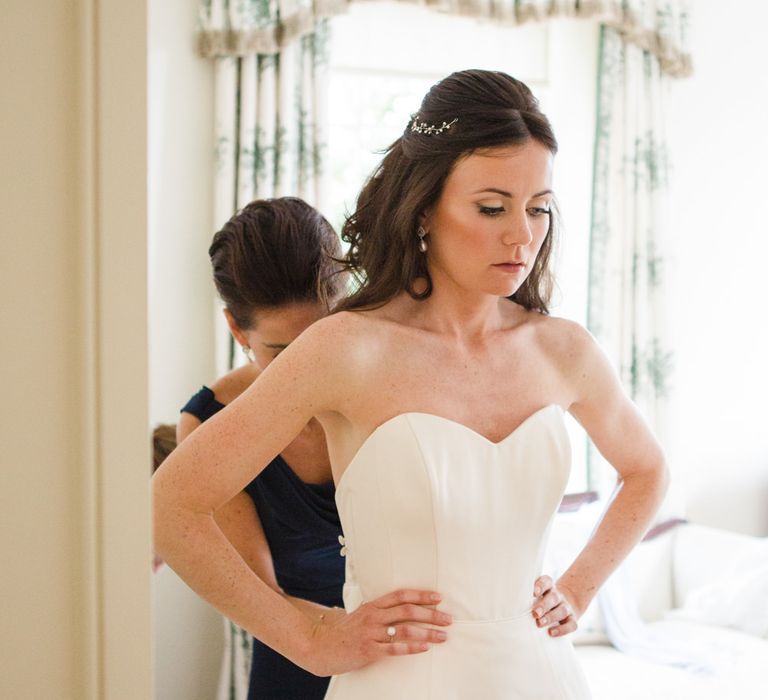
<point x="491" y="110"/>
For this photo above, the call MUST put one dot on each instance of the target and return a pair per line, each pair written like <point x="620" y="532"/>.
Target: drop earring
<point x="420" y="232"/>
<point x="247" y="352"/>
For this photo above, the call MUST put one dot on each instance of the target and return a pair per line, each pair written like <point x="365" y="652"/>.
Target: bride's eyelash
<point x="495" y="211"/>
<point x="491" y="211"/>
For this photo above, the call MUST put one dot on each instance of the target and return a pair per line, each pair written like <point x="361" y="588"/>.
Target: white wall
<point x="40" y="346"/>
<point x="74" y="516"/>
<point x="717" y="127"/>
<point x="187" y="632"/>
<point x="180" y="208"/>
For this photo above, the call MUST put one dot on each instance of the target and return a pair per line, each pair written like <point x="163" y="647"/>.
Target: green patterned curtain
<point x="269" y="123"/>
<point x="628" y="236"/>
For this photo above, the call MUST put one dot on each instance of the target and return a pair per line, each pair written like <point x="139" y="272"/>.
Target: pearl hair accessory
<point x="419" y="127"/>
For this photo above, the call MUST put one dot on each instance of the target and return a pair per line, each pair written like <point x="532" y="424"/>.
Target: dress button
<point x="342" y="542"/>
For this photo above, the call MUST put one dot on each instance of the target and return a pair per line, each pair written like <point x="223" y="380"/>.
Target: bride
<point x="441" y="385"/>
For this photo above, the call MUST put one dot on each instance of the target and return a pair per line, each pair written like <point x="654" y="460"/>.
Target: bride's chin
<point x="503" y="290"/>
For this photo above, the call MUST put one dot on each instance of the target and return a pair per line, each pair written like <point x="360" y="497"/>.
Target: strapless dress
<point x="429" y="503"/>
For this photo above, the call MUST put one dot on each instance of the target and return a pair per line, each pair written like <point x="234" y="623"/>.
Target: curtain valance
<point x="238" y="28"/>
<point x="248" y="27"/>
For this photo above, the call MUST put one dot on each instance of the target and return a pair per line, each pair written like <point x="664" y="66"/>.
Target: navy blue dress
<point x="302" y="527"/>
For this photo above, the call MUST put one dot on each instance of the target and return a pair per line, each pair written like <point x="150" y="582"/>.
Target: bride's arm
<point x="623" y="437"/>
<point x="240" y="522"/>
<point x="216" y="462"/>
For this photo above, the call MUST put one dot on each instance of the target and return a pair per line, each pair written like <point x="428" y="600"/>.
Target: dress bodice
<point x="429" y="503"/>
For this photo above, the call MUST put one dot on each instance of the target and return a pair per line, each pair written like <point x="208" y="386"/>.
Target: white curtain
<point x="629" y="234"/>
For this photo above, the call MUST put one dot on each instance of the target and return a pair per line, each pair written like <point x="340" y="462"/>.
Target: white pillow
<point x="736" y="598"/>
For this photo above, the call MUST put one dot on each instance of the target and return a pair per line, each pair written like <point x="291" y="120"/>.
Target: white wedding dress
<point x="428" y="503"/>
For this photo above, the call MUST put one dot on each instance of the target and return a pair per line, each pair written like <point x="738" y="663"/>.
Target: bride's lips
<point x="510" y="266"/>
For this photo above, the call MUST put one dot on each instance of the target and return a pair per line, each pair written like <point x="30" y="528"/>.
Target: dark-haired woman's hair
<point x="163" y="443"/>
<point x="490" y="109"/>
<point x="275" y="252"/>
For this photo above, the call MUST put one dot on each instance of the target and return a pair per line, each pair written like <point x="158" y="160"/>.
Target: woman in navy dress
<point x="274" y="270"/>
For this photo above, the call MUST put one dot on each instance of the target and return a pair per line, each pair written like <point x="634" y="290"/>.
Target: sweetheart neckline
<point x="471" y="431"/>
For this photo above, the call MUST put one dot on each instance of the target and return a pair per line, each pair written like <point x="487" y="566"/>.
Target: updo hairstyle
<point x="275" y="252"/>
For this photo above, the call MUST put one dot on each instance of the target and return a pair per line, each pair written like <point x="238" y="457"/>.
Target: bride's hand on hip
<point x="393" y="625"/>
<point x="554" y="607"/>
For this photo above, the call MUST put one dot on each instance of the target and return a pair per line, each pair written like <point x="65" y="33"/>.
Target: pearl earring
<point x="420" y="232"/>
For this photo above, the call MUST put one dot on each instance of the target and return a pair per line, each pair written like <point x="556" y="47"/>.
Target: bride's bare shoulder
<point x="351" y="325"/>
<point x="355" y="336"/>
<point x="562" y="330"/>
<point x="566" y="342"/>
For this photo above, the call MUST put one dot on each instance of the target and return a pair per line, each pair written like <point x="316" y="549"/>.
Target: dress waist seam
<point x="492" y="621"/>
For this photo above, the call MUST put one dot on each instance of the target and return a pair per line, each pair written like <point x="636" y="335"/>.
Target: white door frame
<point x="113" y="84"/>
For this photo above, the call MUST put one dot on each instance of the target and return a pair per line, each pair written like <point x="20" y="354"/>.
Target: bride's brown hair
<point x="491" y="109"/>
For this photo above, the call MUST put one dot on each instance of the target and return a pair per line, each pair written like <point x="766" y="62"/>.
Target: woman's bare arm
<point x="240" y="522"/>
<point x="621" y="434"/>
<point x="217" y="461"/>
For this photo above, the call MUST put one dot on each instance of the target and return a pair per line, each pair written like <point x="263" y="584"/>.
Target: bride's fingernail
<point x="538" y="612"/>
<point x="436" y="597"/>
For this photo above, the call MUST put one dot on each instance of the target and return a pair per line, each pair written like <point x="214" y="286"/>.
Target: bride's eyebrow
<point x="504" y="193"/>
<point x="495" y="190"/>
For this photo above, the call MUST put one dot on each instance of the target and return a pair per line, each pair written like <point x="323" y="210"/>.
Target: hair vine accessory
<point x="429" y="129"/>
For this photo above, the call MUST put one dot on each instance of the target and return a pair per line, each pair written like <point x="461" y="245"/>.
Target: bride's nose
<point x="517" y="231"/>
